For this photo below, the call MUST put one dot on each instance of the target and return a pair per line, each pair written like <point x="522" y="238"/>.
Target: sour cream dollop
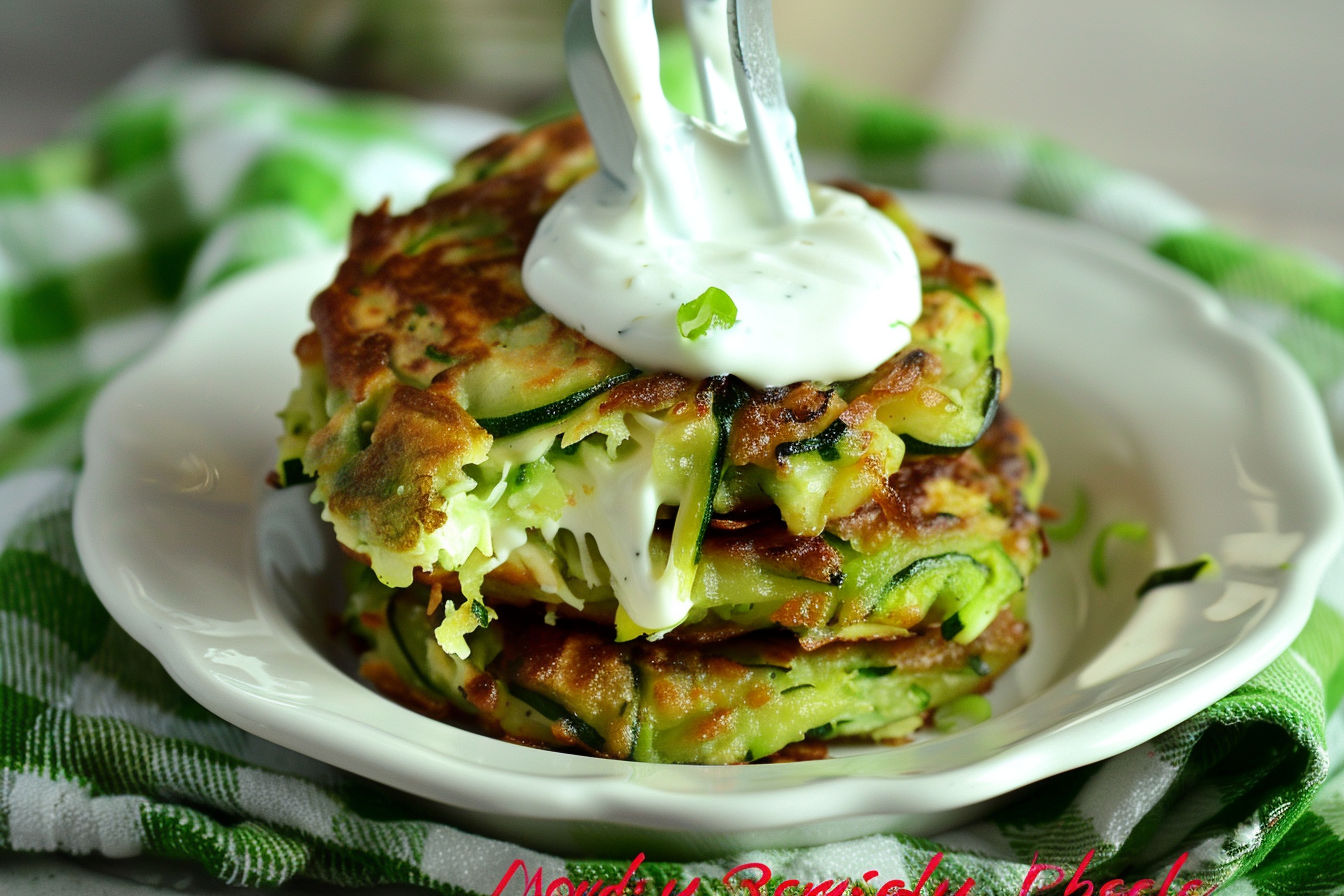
<point x="823" y="296"/>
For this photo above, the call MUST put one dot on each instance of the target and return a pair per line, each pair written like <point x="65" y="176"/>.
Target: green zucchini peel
<point x="1123" y="529"/>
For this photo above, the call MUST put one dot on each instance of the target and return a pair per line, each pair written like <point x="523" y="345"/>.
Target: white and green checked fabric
<point x="191" y="173"/>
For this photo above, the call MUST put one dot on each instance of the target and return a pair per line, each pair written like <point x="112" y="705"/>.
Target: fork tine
<point x="769" y="123"/>
<point x="706" y="26"/>
<point x="628" y="115"/>
<point x="599" y="99"/>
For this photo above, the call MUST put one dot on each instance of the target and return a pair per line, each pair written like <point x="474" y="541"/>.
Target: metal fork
<point x="742" y="92"/>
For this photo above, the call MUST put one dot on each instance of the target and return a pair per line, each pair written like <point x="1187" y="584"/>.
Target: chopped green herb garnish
<point x="875" y="671"/>
<point x="921" y="696"/>
<point x="1129" y="531"/>
<point x="437" y="354"/>
<point x="713" y="310"/>
<point x="961" y="712"/>
<point x="1203" y="566"/>
<point x="797" y="687"/>
<point x="977" y="664"/>
<point x="1070" y="526"/>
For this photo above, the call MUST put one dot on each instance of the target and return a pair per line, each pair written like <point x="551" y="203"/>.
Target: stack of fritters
<point x="853" y="555"/>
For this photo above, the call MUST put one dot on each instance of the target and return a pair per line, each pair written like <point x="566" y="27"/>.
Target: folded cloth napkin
<point x="190" y="173"/>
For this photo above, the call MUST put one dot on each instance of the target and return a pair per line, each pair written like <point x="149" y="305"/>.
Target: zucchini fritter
<point x="570" y="686"/>
<point x="456" y="433"/>
<point x="578" y="554"/>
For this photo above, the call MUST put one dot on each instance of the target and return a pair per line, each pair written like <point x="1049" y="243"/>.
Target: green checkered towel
<point x="190" y="173"/>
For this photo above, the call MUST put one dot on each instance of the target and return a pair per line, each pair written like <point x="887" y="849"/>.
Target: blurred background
<point x="1236" y="104"/>
<point x="1233" y="103"/>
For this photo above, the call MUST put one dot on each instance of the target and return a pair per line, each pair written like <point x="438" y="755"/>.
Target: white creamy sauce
<point x="824" y="299"/>
<point x="825" y="286"/>
<point x="617" y="505"/>
<point x="612" y="502"/>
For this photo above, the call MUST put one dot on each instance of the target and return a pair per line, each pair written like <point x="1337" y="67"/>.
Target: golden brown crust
<point x="565" y="658"/>
<point x="648" y="393"/>
<point x="394" y="482"/>
<point x="582" y="668"/>
<point x="454" y="261"/>
<point x="997" y="468"/>
<point x="775" y="416"/>
<point x="582" y="665"/>
<point x="771" y="545"/>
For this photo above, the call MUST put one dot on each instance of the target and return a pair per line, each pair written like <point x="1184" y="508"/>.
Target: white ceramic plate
<point x="1143" y="391"/>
